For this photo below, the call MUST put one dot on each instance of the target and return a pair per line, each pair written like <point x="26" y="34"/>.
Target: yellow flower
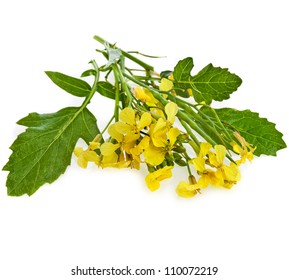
<point x="222" y="175"/>
<point x="166" y="84"/>
<point x="153" y="179"/>
<point x="138" y="149"/>
<point x="127" y="141"/>
<point x="162" y="141"/>
<point x="204" y="149"/>
<point x="245" y="150"/>
<point x="142" y="94"/>
<point x="128" y="123"/>
<point x="108" y="151"/>
<point x="145" y="96"/>
<point x="83" y="157"/>
<point x="207" y="176"/>
<point x="231" y="175"/>
<point x="187" y="190"/>
<point x="216" y="159"/>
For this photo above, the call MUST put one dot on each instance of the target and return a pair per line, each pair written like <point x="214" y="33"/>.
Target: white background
<point x="107" y="218"/>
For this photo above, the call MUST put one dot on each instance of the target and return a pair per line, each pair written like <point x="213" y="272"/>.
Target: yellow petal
<point x="143" y="144"/>
<point x="186" y="190"/>
<point x="215" y="178"/>
<point x="213" y="159"/>
<point x="78" y="151"/>
<point x="108" y="148"/>
<point x="145" y="120"/>
<point x="81" y="161"/>
<point x="199" y="164"/>
<point x="127" y="115"/>
<point x="204" y="149"/>
<point x="173" y="133"/>
<point x="232" y="172"/>
<point x="91" y="156"/>
<point x="94" y="145"/>
<point x="110" y="160"/>
<point x="123" y="128"/>
<point x="166" y="85"/>
<point x="158" y="133"/>
<point x="204" y="181"/>
<point x="153" y="179"/>
<point x="220" y="153"/>
<point x="112" y="131"/>
<point x="152" y="184"/>
<point x="171" y="110"/>
<point x="236" y="148"/>
<point x="141" y="94"/>
<point x="154" y="156"/>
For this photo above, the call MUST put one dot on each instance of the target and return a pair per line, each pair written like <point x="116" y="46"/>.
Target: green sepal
<point x="43" y="152"/>
<point x="71" y="85"/>
<point x="257" y="131"/>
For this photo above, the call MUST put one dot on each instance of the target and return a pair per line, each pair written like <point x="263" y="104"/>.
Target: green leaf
<point x="257" y="131"/>
<point x="71" y="85"/>
<point x="106" y="89"/>
<point x="182" y="76"/>
<point x="43" y="152"/>
<point x="211" y="83"/>
<point x="89" y="72"/>
<point x="214" y="83"/>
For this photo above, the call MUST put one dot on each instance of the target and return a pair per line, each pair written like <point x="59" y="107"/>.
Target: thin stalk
<point x="192" y="135"/>
<point x="116" y="106"/>
<point x="127" y="55"/>
<point x="111" y="119"/>
<point x="221" y="124"/>
<point x="180" y="114"/>
<point x="94" y="86"/>
<point x="125" y="87"/>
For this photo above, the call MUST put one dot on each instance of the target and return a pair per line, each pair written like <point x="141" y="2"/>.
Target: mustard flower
<point x="153" y="179"/>
<point x="246" y="151"/>
<point x="188" y="190"/>
<point x="84" y="156"/>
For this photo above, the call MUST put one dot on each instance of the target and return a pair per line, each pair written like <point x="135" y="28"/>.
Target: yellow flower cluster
<point x="150" y="137"/>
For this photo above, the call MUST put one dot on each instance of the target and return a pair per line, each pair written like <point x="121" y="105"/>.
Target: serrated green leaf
<point x="182" y="71"/>
<point x="71" y="85"/>
<point x="257" y="131"/>
<point x="43" y="152"/>
<point x="214" y="83"/>
<point x="211" y="83"/>
<point x="182" y="76"/>
<point x="106" y="89"/>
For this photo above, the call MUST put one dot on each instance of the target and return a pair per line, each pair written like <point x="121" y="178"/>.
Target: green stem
<point x="94" y="86"/>
<point x="181" y="115"/>
<point x="107" y="125"/>
<point x="138" y="61"/>
<point x="127" y="55"/>
<point x="192" y="135"/>
<point x="116" y="106"/>
<point x="221" y="124"/>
